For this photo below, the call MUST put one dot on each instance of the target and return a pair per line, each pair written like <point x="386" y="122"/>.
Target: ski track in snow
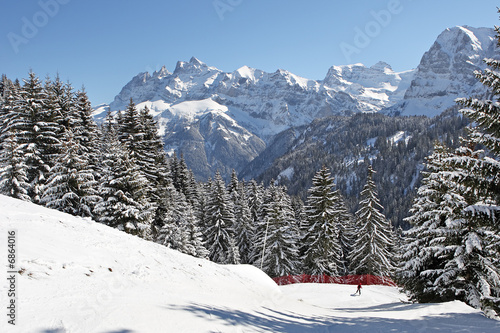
<point x="81" y="276"/>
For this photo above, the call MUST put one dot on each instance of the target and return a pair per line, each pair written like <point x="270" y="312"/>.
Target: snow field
<point x="81" y="276"/>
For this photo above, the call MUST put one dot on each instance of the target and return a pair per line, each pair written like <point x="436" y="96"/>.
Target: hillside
<point x="80" y="276"/>
<point x="395" y="146"/>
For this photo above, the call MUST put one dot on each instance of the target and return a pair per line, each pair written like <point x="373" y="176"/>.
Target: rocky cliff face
<point x="446" y="71"/>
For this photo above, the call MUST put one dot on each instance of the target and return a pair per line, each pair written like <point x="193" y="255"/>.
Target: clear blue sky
<point x="103" y="44"/>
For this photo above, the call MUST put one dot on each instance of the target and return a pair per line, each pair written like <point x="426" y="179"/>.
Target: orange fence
<point x="348" y="279"/>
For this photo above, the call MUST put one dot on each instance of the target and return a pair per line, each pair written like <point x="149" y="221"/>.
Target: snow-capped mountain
<point x="446" y="71"/>
<point x="222" y="120"/>
<point x="266" y="103"/>
<point x="374" y="88"/>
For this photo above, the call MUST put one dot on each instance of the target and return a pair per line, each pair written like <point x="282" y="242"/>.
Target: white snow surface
<point x="81" y="276"/>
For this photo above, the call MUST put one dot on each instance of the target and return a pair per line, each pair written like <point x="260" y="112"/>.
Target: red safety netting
<point x="348" y="279"/>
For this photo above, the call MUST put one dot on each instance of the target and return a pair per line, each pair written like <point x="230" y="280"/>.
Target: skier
<point x="358" y="290"/>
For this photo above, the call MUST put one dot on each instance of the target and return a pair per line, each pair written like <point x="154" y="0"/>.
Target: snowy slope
<point x="80" y="276"/>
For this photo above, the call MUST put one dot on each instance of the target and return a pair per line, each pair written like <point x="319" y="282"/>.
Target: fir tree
<point x="36" y="128"/>
<point x="347" y="231"/>
<point x="323" y="253"/>
<point x="71" y="186"/>
<point x="9" y="96"/>
<point x="128" y="126"/>
<point x="278" y="244"/>
<point x="164" y="198"/>
<point x="123" y="190"/>
<point x="13" y="170"/>
<point x="243" y="227"/>
<point x="86" y="132"/>
<point x="179" y="231"/>
<point x="149" y="147"/>
<point x="233" y="256"/>
<point x="255" y="200"/>
<point x="425" y="253"/>
<point x="372" y="249"/>
<point x="219" y="222"/>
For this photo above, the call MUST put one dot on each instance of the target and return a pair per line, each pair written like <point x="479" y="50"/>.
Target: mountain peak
<point x="193" y="66"/>
<point x="446" y="71"/>
<point x="163" y="72"/>
<point x="196" y="61"/>
<point x="465" y="37"/>
<point x="382" y="66"/>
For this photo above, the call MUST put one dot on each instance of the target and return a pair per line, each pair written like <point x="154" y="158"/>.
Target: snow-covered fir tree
<point x="219" y="222"/>
<point x="183" y="179"/>
<point x="450" y="253"/>
<point x="131" y="129"/>
<point x="323" y="251"/>
<point x="13" y="170"/>
<point x="424" y="252"/>
<point x="180" y="230"/>
<point x="123" y="189"/>
<point x="8" y="99"/>
<point x="36" y="129"/>
<point x="127" y="126"/>
<point x="60" y="103"/>
<point x="277" y="244"/>
<point x="71" y="186"/>
<point x="233" y="256"/>
<point x="149" y="147"/>
<point x="86" y="132"/>
<point x="372" y="251"/>
<point x="255" y="195"/>
<point x="473" y="273"/>
<point x="164" y="198"/>
<point x="347" y="231"/>
<point x="243" y="227"/>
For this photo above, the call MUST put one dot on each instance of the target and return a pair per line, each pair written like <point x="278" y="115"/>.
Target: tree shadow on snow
<point x="62" y="330"/>
<point x="386" y="307"/>
<point x="270" y="320"/>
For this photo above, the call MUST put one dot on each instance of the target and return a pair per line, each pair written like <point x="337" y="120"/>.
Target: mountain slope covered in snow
<point x="223" y="120"/>
<point x="76" y="275"/>
<point x="446" y="71"/>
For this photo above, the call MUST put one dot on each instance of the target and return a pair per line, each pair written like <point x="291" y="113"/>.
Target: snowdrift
<point x="76" y="275"/>
<point x="80" y="276"/>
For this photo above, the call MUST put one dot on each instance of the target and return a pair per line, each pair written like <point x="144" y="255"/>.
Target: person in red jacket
<point x="358" y="290"/>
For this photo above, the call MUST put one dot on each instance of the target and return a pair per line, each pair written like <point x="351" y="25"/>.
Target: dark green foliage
<point x="219" y="222"/>
<point x="276" y="250"/>
<point x="323" y="249"/>
<point x="372" y="251"/>
<point x="346" y="144"/>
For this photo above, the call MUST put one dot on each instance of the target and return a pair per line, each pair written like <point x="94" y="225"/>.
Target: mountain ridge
<point x="262" y="104"/>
